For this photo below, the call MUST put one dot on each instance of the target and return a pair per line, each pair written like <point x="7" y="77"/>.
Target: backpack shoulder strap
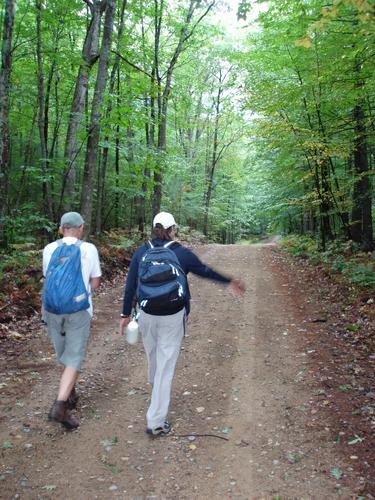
<point x="78" y="243"/>
<point x="173" y="243"/>
<point x="169" y="244"/>
<point x="150" y="244"/>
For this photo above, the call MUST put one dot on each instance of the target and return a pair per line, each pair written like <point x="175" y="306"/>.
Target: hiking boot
<point x="60" y="413"/>
<point x="160" y="431"/>
<point x="73" y="399"/>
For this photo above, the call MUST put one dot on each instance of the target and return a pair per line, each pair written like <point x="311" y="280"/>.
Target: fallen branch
<point x="5" y="306"/>
<point x="200" y="435"/>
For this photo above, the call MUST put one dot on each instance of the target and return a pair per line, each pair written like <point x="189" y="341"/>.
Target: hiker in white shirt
<point x="69" y="333"/>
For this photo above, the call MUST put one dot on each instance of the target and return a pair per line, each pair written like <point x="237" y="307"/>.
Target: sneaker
<point x="160" y="431"/>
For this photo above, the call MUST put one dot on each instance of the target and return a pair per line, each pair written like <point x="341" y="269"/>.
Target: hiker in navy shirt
<point x="163" y="327"/>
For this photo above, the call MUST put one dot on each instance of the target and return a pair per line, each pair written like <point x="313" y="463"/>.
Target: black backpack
<point x="162" y="282"/>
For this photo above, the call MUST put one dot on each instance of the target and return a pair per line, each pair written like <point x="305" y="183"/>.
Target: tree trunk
<point x="361" y="226"/>
<point x="325" y="205"/>
<point x="102" y="172"/>
<point x="331" y="197"/>
<point x="52" y="76"/>
<point x="104" y="162"/>
<point x="185" y="34"/>
<point x="215" y="155"/>
<point x="96" y="115"/>
<point x="26" y="163"/>
<point x="210" y="178"/>
<point x="149" y="104"/>
<point x="320" y="182"/>
<point x="90" y="54"/>
<point x="155" y="115"/>
<point x="117" y="155"/>
<point x="58" y="114"/>
<point x="42" y="126"/>
<point x="5" y="71"/>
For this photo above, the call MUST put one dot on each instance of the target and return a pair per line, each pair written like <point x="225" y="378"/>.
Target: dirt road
<point x="243" y="417"/>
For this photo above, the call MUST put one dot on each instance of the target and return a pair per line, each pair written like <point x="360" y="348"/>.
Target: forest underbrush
<point x="343" y="260"/>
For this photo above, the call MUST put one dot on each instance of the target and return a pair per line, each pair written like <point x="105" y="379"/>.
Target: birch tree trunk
<point x="96" y="115"/>
<point x="5" y="71"/>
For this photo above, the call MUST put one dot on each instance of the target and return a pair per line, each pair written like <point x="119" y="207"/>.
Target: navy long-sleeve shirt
<point x="189" y="263"/>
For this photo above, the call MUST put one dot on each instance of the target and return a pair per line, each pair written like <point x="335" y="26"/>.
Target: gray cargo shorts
<point x="69" y="334"/>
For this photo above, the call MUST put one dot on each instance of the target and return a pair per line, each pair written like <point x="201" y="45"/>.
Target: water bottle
<point x="132" y="330"/>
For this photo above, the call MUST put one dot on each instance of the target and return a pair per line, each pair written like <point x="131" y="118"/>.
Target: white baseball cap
<point x="165" y="219"/>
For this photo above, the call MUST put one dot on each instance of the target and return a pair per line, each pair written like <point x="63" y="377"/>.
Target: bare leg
<point x="60" y="408"/>
<point x="68" y="379"/>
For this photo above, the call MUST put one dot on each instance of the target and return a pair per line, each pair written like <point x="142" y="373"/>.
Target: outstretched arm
<point x="196" y="266"/>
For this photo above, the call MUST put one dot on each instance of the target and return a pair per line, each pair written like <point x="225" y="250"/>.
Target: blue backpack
<point x="64" y="290"/>
<point x="162" y="282"/>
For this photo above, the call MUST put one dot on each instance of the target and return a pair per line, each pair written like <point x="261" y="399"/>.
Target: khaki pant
<point x="162" y="337"/>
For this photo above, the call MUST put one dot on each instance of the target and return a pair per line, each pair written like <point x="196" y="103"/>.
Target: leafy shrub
<point x="118" y="238"/>
<point x="300" y="246"/>
<point x="340" y="257"/>
<point x="23" y="226"/>
<point x="360" y="274"/>
<point x="339" y="264"/>
<point x="20" y="281"/>
<point x="185" y="233"/>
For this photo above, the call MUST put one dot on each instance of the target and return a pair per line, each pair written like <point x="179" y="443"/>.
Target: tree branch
<point x="131" y="64"/>
<point x="198" y="21"/>
<point x="89" y="4"/>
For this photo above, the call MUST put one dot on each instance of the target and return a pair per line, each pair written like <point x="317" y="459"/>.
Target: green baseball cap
<point x="71" y="219"/>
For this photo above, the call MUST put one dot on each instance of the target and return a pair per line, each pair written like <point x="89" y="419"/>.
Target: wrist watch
<point x="125" y="315"/>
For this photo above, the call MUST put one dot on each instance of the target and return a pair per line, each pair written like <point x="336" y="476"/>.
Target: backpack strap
<point x="170" y="243"/>
<point x="167" y="245"/>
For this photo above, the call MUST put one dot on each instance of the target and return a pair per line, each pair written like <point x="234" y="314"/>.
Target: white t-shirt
<point x="89" y="261"/>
